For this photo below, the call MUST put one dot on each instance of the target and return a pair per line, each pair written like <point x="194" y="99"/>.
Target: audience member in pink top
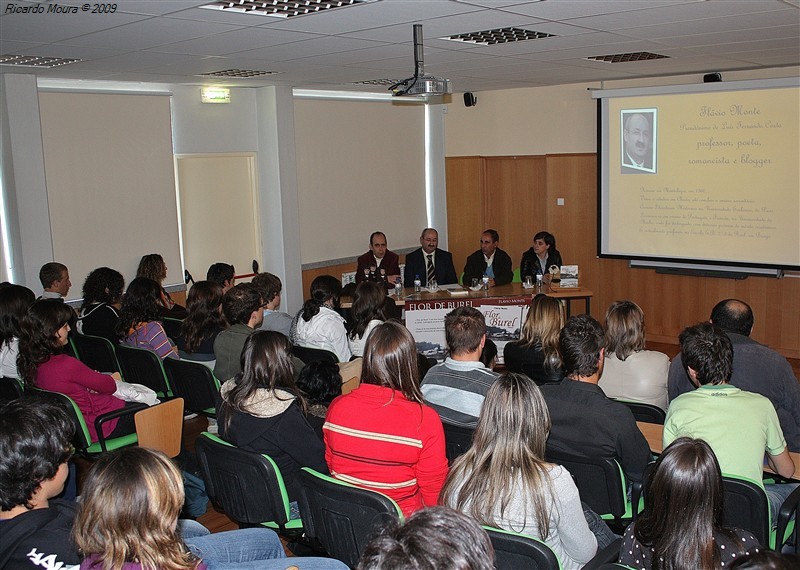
<point x="43" y="335"/>
<point x="138" y="324"/>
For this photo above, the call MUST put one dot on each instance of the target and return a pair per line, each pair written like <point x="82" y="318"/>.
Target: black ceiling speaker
<point x="470" y="100"/>
<point x="712" y="77"/>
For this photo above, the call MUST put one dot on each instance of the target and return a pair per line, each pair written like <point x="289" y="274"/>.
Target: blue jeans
<point x="246" y="549"/>
<point x="777" y="493"/>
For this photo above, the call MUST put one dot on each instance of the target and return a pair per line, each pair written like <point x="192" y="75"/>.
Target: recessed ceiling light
<point x="282" y="9"/>
<point x="498" y="36"/>
<point x="35" y="61"/>
<point x="627" y="57"/>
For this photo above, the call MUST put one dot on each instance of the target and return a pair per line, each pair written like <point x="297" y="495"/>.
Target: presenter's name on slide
<point x="733" y="110"/>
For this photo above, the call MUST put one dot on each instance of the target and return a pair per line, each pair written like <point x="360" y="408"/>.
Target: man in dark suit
<point x="379" y="263"/>
<point x="637" y="137"/>
<point x="429" y="259"/>
<point x="489" y="260"/>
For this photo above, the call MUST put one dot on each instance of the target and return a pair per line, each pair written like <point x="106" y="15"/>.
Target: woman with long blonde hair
<point x="504" y="481"/>
<point x="536" y="353"/>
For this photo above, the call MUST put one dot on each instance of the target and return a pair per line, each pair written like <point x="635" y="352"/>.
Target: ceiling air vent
<point x="626" y="57"/>
<point x="35" y="61"/>
<point x="281" y="9"/>
<point x="498" y="36"/>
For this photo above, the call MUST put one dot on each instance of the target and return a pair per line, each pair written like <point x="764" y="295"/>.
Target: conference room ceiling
<point x="177" y="41"/>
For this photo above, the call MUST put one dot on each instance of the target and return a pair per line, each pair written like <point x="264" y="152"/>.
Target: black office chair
<point x="247" y="486"/>
<point x="143" y="366"/>
<point x="172" y="327"/>
<point x="647" y="413"/>
<point x="458" y="439"/>
<point x="195" y="383"/>
<point x="96" y="352"/>
<point x="513" y="551"/>
<point x="10" y="389"/>
<point x="342" y="517"/>
<point x="307" y="354"/>
<point x="601" y="484"/>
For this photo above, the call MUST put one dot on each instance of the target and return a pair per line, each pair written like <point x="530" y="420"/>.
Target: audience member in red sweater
<point x="381" y="436"/>
<point x="44" y="333"/>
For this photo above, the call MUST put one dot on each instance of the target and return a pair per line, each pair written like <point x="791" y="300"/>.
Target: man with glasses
<point x="637" y="137"/>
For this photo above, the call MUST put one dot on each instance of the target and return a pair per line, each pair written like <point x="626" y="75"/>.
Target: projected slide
<point x="703" y="177"/>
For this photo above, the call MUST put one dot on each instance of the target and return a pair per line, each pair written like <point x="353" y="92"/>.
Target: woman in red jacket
<point x="42" y="363"/>
<point x="381" y="436"/>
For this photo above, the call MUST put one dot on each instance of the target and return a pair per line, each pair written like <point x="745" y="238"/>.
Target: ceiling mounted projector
<point x="420" y="84"/>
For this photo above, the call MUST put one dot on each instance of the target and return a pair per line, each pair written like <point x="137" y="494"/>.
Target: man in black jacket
<point x="489" y="260"/>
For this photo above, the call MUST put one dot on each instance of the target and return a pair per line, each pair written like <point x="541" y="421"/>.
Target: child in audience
<point x="102" y="293"/>
<point x="320" y="382"/>
<point x="381" y="436"/>
<point x="204" y="322"/>
<point x="14" y="303"/>
<point x="366" y="314"/>
<point x="263" y="411"/>
<point x="503" y="480"/>
<point x="139" y="323"/>
<point x="318" y="325"/>
<point x="682" y="519"/>
<point x="536" y="353"/>
<point x="43" y="364"/>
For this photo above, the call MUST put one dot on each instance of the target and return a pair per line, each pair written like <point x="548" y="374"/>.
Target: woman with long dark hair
<point x="139" y="323"/>
<point x="367" y="313"/>
<point x="381" y="436"/>
<point x="536" y="353"/>
<point x="263" y="411"/>
<point x="504" y="481"/>
<point x="14" y="303"/>
<point x="318" y="325"/>
<point x="102" y="293"/>
<point x="203" y="323"/>
<point x="43" y="364"/>
<point x="154" y="267"/>
<point x="681" y="525"/>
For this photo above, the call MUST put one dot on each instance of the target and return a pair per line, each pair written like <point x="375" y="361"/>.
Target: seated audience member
<point x="489" y="260"/>
<point x="203" y="322"/>
<point x="456" y="387"/>
<point x="539" y="258"/>
<point x="504" y="481"/>
<point x="139" y="324"/>
<point x="381" y="436"/>
<point x="766" y="560"/>
<point x="318" y="325"/>
<point x="489" y="354"/>
<point x="631" y="372"/>
<point x="429" y="261"/>
<point x="366" y="314"/>
<point x="263" y="411"/>
<point x="128" y="520"/>
<point x="536" y="354"/>
<point x="14" y="303"/>
<point x="756" y="368"/>
<point x="223" y="274"/>
<point x="584" y="421"/>
<point x="54" y="278"/>
<point x="242" y="309"/>
<point x="681" y="525"/>
<point x="102" y="293"/>
<point x="741" y="427"/>
<point x="320" y="382"/>
<point x="35" y="447"/>
<point x="43" y="334"/>
<point x="270" y="287"/>
<point x="432" y="538"/>
<point x="154" y="267"/>
<point x="379" y="263"/>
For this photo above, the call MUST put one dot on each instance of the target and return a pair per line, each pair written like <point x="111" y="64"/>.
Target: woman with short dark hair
<point x="541" y="257"/>
<point x="102" y="293"/>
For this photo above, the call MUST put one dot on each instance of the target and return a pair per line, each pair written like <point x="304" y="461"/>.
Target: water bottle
<point x="538" y="282"/>
<point x="398" y="287"/>
<point x="417" y="284"/>
<point x="485" y="282"/>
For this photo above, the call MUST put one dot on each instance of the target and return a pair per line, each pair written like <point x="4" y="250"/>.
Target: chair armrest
<point x="608" y="555"/>
<point x="128" y="410"/>
<point x="636" y="493"/>
<point x="788" y="508"/>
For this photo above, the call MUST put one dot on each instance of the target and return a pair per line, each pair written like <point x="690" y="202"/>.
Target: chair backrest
<point x="513" y="551"/>
<point x="746" y="506"/>
<point x="195" y="383"/>
<point x="143" y="366"/>
<point x="160" y="427"/>
<point x="457" y="440"/>
<point x="307" y="354"/>
<point x="647" y="413"/>
<point x="10" y="389"/>
<point x="96" y="352"/>
<point x="172" y="327"/>
<point x="248" y="486"/>
<point x="342" y="517"/>
<point x="82" y="439"/>
<point x="600" y="481"/>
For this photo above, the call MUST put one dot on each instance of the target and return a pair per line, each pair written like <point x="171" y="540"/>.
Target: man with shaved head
<point x="756" y="368"/>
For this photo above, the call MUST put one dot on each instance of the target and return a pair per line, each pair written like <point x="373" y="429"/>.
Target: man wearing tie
<point x="429" y="261"/>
